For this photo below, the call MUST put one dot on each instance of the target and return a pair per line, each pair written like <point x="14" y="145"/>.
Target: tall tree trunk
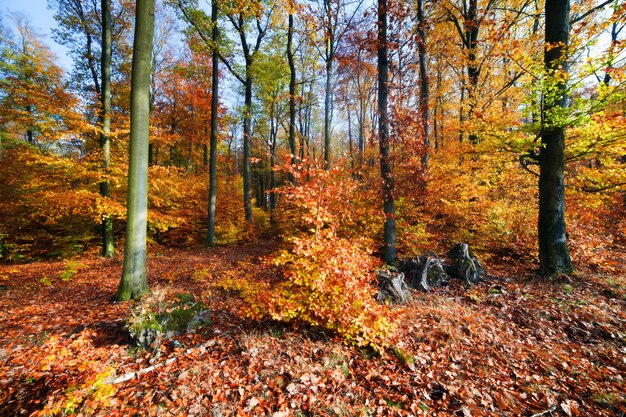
<point x="350" y="150"/>
<point x="133" y="283"/>
<point x="554" y="254"/>
<point x="473" y="71"/>
<point x="292" y="93"/>
<point x="213" y="141"/>
<point x="461" y="113"/>
<point x="424" y="107"/>
<point x="327" y="104"/>
<point x="272" y="178"/>
<point x="329" y="57"/>
<point x="383" y="136"/>
<point x="247" y="118"/>
<point x="108" y="249"/>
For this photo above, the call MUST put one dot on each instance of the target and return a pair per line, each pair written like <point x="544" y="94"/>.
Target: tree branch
<point x="590" y="11"/>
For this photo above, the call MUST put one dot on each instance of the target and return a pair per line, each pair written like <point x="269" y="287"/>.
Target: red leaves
<point x="524" y="349"/>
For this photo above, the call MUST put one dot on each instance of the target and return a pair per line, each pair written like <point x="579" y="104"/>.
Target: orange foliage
<point x="329" y="272"/>
<point x="55" y="207"/>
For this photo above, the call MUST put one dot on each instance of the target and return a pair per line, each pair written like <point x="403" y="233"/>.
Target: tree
<point x="105" y="142"/>
<point x="424" y="95"/>
<point x="242" y="17"/>
<point x="335" y="19"/>
<point x="134" y="283"/>
<point x="34" y="101"/>
<point x="292" y="87"/>
<point x="213" y="140"/>
<point x="86" y="29"/>
<point x="554" y="254"/>
<point x="383" y="136"/>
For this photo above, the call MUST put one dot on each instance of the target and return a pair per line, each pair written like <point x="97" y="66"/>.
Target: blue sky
<point x="41" y="19"/>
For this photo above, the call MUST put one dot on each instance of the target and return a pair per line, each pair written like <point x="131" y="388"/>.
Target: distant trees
<point x="34" y="101"/>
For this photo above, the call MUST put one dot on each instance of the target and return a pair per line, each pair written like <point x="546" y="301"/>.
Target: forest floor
<point x="511" y="346"/>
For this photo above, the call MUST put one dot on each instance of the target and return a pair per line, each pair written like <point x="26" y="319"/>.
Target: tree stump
<point x="424" y="272"/>
<point x="391" y="287"/>
<point x="464" y="264"/>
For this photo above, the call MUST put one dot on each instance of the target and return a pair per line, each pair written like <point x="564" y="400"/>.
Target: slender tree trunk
<point x="473" y="71"/>
<point x="150" y="154"/>
<point x="438" y="107"/>
<point x="554" y="254"/>
<point x="462" y="114"/>
<point x="272" y="178"/>
<point x="108" y="249"/>
<point x="329" y="57"/>
<point x="213" y="141"/>
<point x="247" y="116"/>
<point x="292" y="93"/>
<point x="133" y="283"/>
<point x="610" y="60"/>
<point x="424" y="107"/>
<point x="327" y="104"/>
<point x="350" y="150"/>
<point x="189" y="157"/>
<point x="383" y="136"/>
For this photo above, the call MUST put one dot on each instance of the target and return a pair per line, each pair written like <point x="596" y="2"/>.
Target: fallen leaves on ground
<point x="510" y="346"/>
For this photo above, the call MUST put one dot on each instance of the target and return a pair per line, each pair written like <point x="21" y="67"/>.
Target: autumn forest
<point x="314" y="208"/>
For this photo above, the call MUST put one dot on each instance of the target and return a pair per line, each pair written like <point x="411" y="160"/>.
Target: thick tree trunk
<point x="383" y="136"/>
<point x="554" y="254"/>
<point x="108" y="249"/>
<point x="133" y="283"/>
<point x="213" y="141"/>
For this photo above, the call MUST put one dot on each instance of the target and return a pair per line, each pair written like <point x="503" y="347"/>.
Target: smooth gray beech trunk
<point x="134" y="283"/>
<point x="108" y="248"/>
<point x="554" y="254"/>
<point x="383" y="136"/>
<point x="213" y="140"/>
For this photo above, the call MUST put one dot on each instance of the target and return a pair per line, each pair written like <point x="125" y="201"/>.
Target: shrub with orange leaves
<point x="330" y="270"/>
<point x="329" y="284"/>
<point x="335" y="199"/>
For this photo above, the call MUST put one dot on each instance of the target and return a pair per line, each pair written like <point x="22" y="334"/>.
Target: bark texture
<point x="213" y="134"/>
<point x="108" y="248"/>
<point x="383" y="136"/>
<point x="134" y="283"/>
<point x="554" y="256"/>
